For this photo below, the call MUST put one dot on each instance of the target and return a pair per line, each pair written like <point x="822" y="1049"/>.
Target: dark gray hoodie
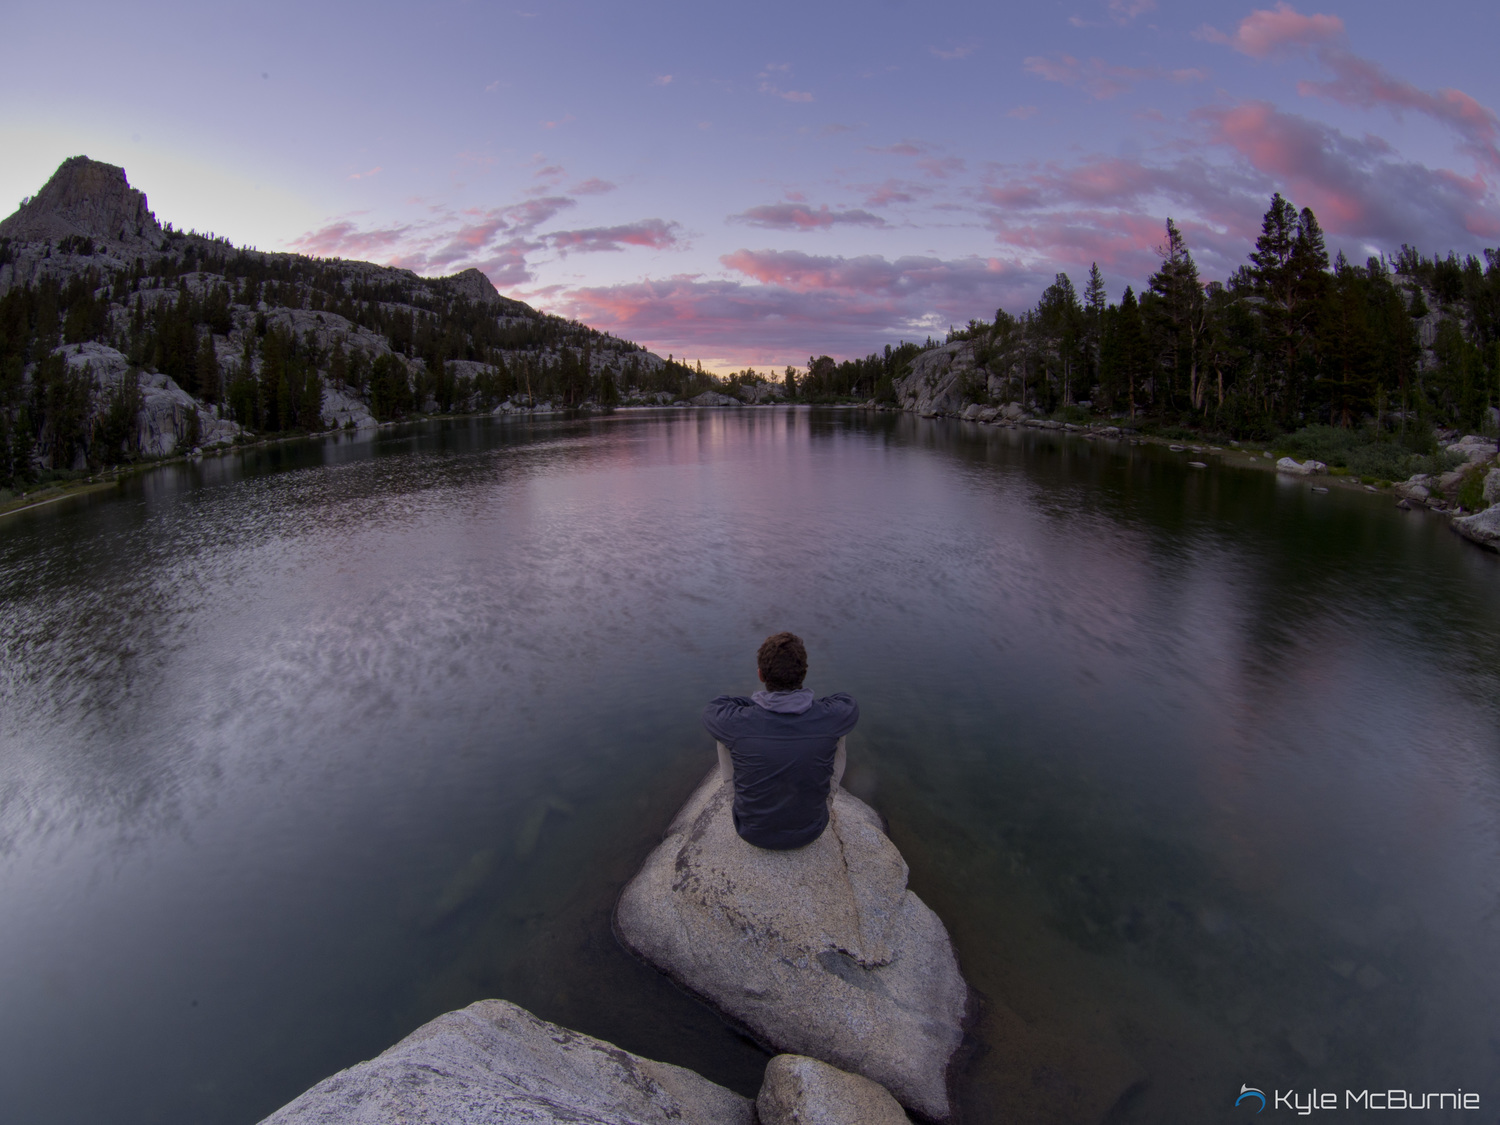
<point x="782" y="744"/>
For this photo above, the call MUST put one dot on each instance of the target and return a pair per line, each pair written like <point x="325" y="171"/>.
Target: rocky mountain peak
<point x="474" y="285"/>
<point x="88" y="198"/>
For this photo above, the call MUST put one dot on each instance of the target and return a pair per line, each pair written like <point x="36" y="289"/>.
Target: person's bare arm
<point x="726" y="764"/>
<point x="840" y="760"/>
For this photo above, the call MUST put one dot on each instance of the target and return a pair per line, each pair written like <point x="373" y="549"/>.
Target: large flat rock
<point x="494" y="1063"/>
<point x="821" y="951"/>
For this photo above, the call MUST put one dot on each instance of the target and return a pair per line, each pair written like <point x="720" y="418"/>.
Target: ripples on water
<point x="300" y="747"/>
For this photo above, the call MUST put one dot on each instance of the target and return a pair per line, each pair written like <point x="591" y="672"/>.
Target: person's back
<point x="783" y="744"/>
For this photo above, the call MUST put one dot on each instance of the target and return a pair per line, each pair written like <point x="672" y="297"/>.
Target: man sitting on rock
<point x="783" y="748"/>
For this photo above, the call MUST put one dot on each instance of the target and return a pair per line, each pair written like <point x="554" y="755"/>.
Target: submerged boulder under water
<point x="821" y="951"/>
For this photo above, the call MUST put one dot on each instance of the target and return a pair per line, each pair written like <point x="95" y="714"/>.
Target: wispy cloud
<point x="770" y="78"/>
<point x="1102" y="80"/>
<point x="928" y="157"/>
<point x="591" y="186"/>
<point x="662" y="80"/>
<point x="1361" y="83"/>
<point x="798" y="216"/>
<point x="949" y="54"/>
<point x="657" y="234"/>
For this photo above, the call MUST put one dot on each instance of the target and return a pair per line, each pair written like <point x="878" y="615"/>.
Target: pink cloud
<point x="534" y="212"/>
<point x="591" y="186"/>
<point x="869" y="274"/>
<point x="893" y="191"/>
<point x="654" y="233"/>
<point x="1123" y="10"/>
<point x="952" y="53"/>
<point x="1364" y="84"/>
<point x="1021" y="112"/>
<point x="806" y="304"/>
<point x="343" y="239"/>
<point x="797" y="216"/>
<point x="662" y="80"/>
<point x="1355" y="186"/>
<point x="1267" y="32"/>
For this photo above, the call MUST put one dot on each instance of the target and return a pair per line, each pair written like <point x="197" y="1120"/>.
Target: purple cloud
<point x="796" y="216"/>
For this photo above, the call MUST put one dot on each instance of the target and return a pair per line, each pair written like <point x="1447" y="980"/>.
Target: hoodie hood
<point x="784" y="702"/>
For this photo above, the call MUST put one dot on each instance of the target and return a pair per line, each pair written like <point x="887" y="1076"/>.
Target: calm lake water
<point x="303" y="746"/>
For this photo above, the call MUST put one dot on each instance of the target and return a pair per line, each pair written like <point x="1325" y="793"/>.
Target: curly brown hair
<point x="782" y="662"/>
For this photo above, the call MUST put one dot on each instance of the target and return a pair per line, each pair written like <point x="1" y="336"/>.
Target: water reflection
<point x="302" y="746"/>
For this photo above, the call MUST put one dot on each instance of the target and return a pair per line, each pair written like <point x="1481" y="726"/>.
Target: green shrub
<point x="1471" y="490"/>
<point x="1368" y="453"/>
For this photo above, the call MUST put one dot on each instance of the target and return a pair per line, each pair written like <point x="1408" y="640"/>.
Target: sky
<point x="751" y="185"/>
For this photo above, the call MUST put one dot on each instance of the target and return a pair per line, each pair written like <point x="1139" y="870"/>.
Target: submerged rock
<point x="494" y="1062"/>
<point x="820" y="951"/>
<point x="798" y="1090"/>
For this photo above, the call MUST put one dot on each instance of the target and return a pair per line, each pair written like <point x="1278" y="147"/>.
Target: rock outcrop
<point x="1417" y="489"/>
<point x="760" y="392"/>
<point x="798" y="1090"/>
<point x="1473" y="448"/>
<point x="87" y="199"/>
<point x="820" y="951"/>
<point x="714" y="398"/>
<point x="474" y="285"/>
<point x="493" y="1063"/>
<point x="1483" y="528"/>
<point x="1300" y="468"/>
<point x="1492" y="487"/>
<point x="940" y="381"/>
<point x="168" y="417"/>
<point x="344" y="411"/>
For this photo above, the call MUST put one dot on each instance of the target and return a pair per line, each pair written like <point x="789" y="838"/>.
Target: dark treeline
<point x="205" y="314"/>
<point x="1290" y="340"/>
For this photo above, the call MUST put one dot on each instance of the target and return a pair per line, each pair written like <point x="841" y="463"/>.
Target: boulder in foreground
<point x="798" y="1090"/>
<point x="821" y="951"/>
<point x="494" y="1063"/>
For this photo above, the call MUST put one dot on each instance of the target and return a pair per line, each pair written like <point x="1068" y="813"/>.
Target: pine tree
<point x="1276" y="288"/>
<point x="1177" y="319"/>
<point x="1130" y="345"/>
